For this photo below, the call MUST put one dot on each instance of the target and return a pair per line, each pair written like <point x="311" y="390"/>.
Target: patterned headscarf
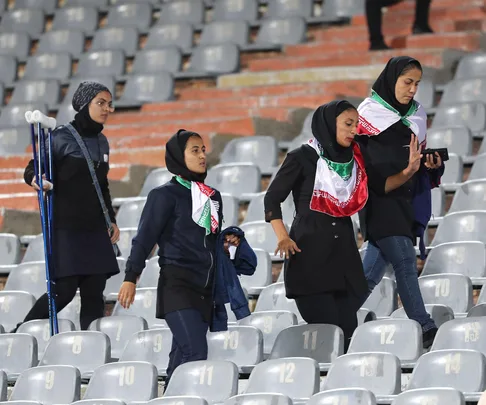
<point x="86" y="92"/>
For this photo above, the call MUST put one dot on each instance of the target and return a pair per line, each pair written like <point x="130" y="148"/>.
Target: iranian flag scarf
<point x="204" y="210"/>
<point x="340" y="189"/>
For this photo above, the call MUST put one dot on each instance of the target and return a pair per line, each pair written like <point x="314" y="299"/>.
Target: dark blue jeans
<point x="400" y="252"/>
<point x="189" y="341"/>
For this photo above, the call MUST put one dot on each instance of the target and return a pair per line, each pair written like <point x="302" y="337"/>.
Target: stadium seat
<point x="263" y="274"/>
<point x="77" y="17"/>
<point x="150" y="274"/>
<point x="223" y="32"/>
<point x="242" y="345"/>
<point x="256" y="209"/>
<point x="119" y="329"/>
<point x="101" y="63"/>
<point x="18" y="352"/>
<point x="143" y="306"/>
<point x="114" y="283"/>
<point x="323" y="343"/>
<point x="14" y="115"/>
<point x="297" y="378"/>
<point x="65" y="114"/>
<point x="155" y="178"/>
<point x="471" y="115"/>
<point x="3" y="386"/>
<point x="12" y="142"/>
<point x="116" y="39"/>
<point x="426" y="96"/>
<point x="260" y="235"/>
<point x="92" y="3"/>
<point x="430" y="396"/>
<point x="9" y="247"/>
<point x="147" y="88"/>
<point x="478" y="171"/>
<point x="365" y="315"/>
<point x="16" y="44"/>
<point x="235" y="10"/>
<point x="55" y="66"/>
<point x="14" y="305"/>
<point x="125" y="242"/>
<point x="85" y="350"/>
<point x="471" y="65"/>
<point x="99" y="402"/>
<point x="464" y="90"/>
<point x="136" y="15"/>
<point x="72" y="311"/>
<point x="463" y="334"/>
<point x="477" y="310"/>
<point x="128" y="215"/>
<point x="188" y="11"/>
<point x="438" y="204"/>
<point x="383" y="300"/>
<point x="154" y="61"/>
<point x="276" y="33"/>
<point x="181" y="400"/>
<point x="152" y="345"/>
<point x="454" y="169"/>
<point x="128" y="381"/>
<point x="62" y="41"/>
<point x="48" y="6"/>
<point x="48" y="385"/>
<point x="289" y="8"/>
<point x="40" y="330"/>
<point x="461" y="226"/>
<point x="272" y="298"/>
<point x="30" y="21"/>
<point x="179" y="35"/>
<point x="259" y="398"/>
<point x="214" y="381"/>
<point x="344" y="396"/>
<point x="342" y="10"/>
<point x="438" y="312"/>
<point x="241" y="180"/>
<point x="457" y="139"/>
<point x="271" y="323"/>
<point x="401" y="337"/>
<point x="463" y="370"/>
<point x="231" y="210"/>
<point x="8" y="69"/>
<point x="30" y="277"/>
<point x="37" y="91"/>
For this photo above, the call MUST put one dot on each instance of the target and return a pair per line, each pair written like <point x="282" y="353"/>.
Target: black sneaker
<point x="379" y="46"/>
<point x="428" y="337"/>
<point x="422" y="30"/>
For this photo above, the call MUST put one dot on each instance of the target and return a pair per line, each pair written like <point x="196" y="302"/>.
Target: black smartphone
<point x="443" y="153"/>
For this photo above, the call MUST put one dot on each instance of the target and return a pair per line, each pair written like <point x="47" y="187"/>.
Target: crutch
<point x="43" y="166"/>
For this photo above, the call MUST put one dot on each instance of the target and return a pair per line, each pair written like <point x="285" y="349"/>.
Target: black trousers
<point x="336" y="308"/>
<point x="373" y="16"/>
<point x="92" y="302"/>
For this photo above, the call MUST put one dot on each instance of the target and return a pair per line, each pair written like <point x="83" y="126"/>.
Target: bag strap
<point x="96" y="183"/>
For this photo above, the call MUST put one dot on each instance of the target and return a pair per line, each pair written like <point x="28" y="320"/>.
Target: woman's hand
<point x="46" y="185"/>
<point x="126" y="295"/>
<point x="231" y="240"/>
<point x="287" y="246"/>
<point x="429" y="163"/>
<point x="414" y="157"/>
<point x="115" y="235"/>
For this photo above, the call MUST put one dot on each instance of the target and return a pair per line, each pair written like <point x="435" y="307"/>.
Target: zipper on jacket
<point x="211" y="266"/>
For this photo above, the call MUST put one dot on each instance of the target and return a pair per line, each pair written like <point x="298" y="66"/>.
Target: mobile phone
<point x="443" y="153"/>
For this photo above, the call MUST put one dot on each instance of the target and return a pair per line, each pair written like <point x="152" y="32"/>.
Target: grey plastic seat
<point x="378" y="372"/>
<point x="214" y="381"/>
<point x="85" y="350"/>
<point x="18" y="352"/>
<point x="57" y="66"/>
<point x="453" y="172"/>
<point x="119" y="329"/>
<point x="143" y="306"/>
<point x="77" y="17"/>
<point x="259" y="150"/>
<point x="30" y="21"/>
<point x="461" y="226"/>
<point x="468" y="258"/>
<point x="383" y="300"/>
<point x="242" y="345"/>
<point x="30" y="277"/>
<point x="155" y="179"/>
<point x="438" y="312"/>
<point x="464" y="90"/>
<point x="260" y="235"/>
<point x="148" y="88"/>
<point x="62" y="41"/>
<point x="471" y="114"/>
<point x="477" y="310"/>
<point x="137" y="15"/>
<point x="295" y="377"/>
<point x="271" y="323"/>
<point x="48" y="6"/>
<point x="235" y="10"/>
<point x="91" y="3"/>
<point x="101" y="63"/>
<point x="289" y="8"/>
<point x="221" y="32"/>
<point x="280" y="32"/>
<point x="125" y="242"/>
<point x="65" y="114"/>
<point x="430" y="396"/>
<point x="128" y="215"/>
<point x="40" y="330"/>
<point x="453" y="290"/>
<point x="14" y="305"/>
<point x="426" y="95"/>
<point x="401" y="337"/>
<point x="212" y="60"/>
<point x="263" y="274"/>
<point x="231" y="208"/>
<point x="108" y="81"/>
<point x="3" y="386"/>
<point x="180" y="35"/>
<point x="99" y="402"/>
<point x="152" y="345"/>
<point x="241" y="180"/>
<point x="48" y="385"/>
<point x="181" y="400"/>
<point x="115" y="38"/>
<point x="259" y="398"/>
<point x="9" y="248"/>
<point x="158" y="60"/>
<point x="189" y="11"/>
<point x="339" y="10"/>
<point x="114" y="283"/>
<point x="13" y="142"/>
<point x="256" y="209"/>
<point x="72" y="311"/>
<point x="463" y="370"/>
<point x="478" y="170"/>
<point x="471" y="65"/>
<point x="438" y="195"/>
<point x="457" y="139"/>
<point x="365" y="315"/>
<point x="323" y="343"/>
<point x="349" y="396"/>
<point x="150" y="274"/>
<point x="8" y="69"/>
<point x="272" y="298"/>
<point x="35" y="91"/>
<point x="16" y="44"/>
<point x="463" y="333"/>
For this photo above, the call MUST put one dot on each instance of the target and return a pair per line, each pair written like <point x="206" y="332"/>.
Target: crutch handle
<point x="28" y="117"/>
<point x="44" y="120"/>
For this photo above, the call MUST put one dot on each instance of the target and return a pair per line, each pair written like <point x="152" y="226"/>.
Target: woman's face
<point x="195" y="155"/>
<point x="407" y="86"/>
<point x="346" y="127"/>
<point x="101" y="107"/>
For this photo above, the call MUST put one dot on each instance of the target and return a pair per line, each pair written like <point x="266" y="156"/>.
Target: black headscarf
<point x="386" y="82"/>
<point x="85" y="125"/>
<point x="324" y="130"/>
<point x="174" y="156"/>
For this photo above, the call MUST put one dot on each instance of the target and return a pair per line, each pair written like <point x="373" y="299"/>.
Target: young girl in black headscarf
<point x="392" y="222"/>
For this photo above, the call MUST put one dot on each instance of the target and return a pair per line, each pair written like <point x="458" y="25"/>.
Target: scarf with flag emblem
<point x="204" y="210"/>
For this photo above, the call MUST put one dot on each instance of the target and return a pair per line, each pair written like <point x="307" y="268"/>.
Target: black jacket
<point x="76" y="204"/>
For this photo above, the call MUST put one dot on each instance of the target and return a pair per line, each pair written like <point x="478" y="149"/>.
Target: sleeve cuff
<point x="131" y="277"/>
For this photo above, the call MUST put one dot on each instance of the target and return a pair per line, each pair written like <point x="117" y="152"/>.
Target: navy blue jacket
<point x="227" y="287"/>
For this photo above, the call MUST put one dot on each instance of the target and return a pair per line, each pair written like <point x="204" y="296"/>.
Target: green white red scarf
<point x="204" y="210"/>
<point x="340" y="189"/>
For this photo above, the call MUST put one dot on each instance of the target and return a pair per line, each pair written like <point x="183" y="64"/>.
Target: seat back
<point x="18" y="352"/>
<point x="383" y="300"/>
<point x="14" y="306"/>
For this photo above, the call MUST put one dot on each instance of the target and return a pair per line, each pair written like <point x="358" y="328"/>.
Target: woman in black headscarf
<point x="391" y="223"/>
<point x="184" y="218"/>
